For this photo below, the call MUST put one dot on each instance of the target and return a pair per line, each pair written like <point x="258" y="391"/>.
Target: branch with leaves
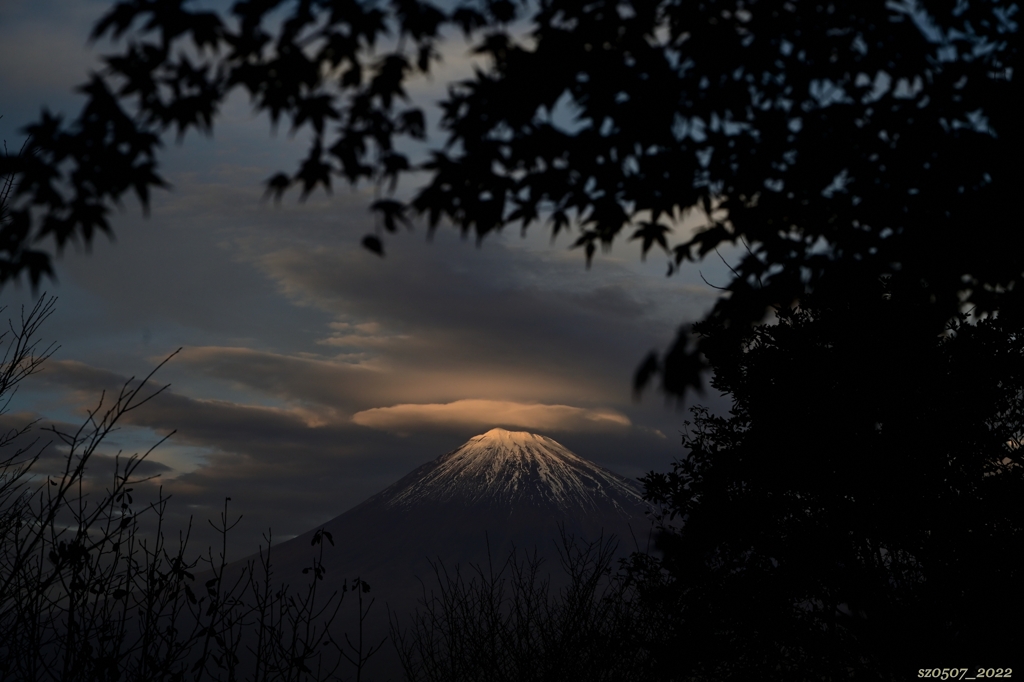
<point x="833" y="139"/>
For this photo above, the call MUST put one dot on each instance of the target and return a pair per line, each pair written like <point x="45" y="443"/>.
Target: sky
<point x="312" y="373"/>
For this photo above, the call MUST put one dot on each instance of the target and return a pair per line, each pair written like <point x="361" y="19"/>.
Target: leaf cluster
<point x="820" y="135"/>
<point x="317" y="67"/>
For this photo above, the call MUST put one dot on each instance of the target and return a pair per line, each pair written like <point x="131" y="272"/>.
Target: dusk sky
<point x="314" y="373"/>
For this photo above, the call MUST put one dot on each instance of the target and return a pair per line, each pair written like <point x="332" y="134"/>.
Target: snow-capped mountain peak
<point x="514" y="468"/>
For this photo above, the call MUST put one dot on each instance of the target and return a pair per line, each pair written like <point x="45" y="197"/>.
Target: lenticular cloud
<point x="477" y="413"/>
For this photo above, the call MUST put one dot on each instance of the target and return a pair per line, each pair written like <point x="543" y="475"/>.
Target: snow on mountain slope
<point x="515" y="468"/>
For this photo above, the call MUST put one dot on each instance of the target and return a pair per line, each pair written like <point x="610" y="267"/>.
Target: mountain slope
<point x="497" y="491"/>
<point x="500" y="489"/>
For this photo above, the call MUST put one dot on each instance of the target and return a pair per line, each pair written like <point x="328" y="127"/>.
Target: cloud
<point x="48" y="42"/>
<point x="486" y="414"/>
<point x="422" y="369"/>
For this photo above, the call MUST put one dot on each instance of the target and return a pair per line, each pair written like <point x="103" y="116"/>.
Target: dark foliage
<point x="869" y="136"/>
<point x="857" y="516"/>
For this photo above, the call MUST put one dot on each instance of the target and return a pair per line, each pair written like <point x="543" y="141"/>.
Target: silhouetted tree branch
<point x="828" y="137"/>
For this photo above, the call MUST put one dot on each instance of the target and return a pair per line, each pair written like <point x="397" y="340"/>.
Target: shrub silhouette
<point x="87" y="593"/>
<point x="514" y="622"/>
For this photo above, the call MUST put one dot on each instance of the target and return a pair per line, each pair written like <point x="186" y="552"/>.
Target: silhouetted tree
<point x="823" y="135"/>
<point x="857" y="515"/>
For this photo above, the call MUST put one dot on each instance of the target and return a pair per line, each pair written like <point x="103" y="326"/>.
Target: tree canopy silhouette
<point x="863" y="136"/>
<point x="857" y="514"/>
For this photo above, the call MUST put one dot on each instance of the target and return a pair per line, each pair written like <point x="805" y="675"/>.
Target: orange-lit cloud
<point x="421" y="371"/>
<point x="486" y="414"/>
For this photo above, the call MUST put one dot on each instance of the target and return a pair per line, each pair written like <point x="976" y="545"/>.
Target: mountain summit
<point x="513" y="469"/>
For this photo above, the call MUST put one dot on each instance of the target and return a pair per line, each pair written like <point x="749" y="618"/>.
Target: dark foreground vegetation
<point x="521" y="620"/>
<point x="92" y="589"/>
<point x="858" y="513"/>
